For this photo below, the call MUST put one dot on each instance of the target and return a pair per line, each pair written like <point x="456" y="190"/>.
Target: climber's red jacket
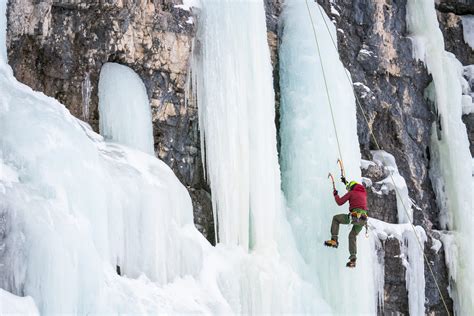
<point x="357" y="198"/>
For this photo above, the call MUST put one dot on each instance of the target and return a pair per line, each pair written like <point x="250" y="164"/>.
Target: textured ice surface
<point x="3" y="27"/>
<point x="411" y="252"/>
<point x="394" y="181"/>
<point x="468" y="29"/>
<point x="124" y="109"/>
<point x="73" y="206"/>
<point x="309" y="151"/>
<point x="237" y="121"/>
<point x="451" y="168"/>
<point x="14" y="305"/>
<point x="234" y="87"/>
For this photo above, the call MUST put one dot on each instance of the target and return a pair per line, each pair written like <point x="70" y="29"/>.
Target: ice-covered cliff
<point x="127" y="211"/>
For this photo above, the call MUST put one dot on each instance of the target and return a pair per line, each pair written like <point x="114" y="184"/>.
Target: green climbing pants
<point x="356" y="228"/>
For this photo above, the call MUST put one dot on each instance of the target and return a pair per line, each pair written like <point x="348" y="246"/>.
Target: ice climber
<point x="357" y="197"/>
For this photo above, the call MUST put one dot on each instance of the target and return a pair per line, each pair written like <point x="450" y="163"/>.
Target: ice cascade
<point x="309" y="150"/>
<point x="451" y="160"/>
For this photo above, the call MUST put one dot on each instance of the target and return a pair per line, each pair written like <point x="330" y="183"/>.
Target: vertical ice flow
<point x="236" y="111"/>
<point x="309" y="151"/>
<point x="3" y="32"/>
<point x="451" y="160"/>
<point x="124" y="109"/>
<point x="86" y="89"/>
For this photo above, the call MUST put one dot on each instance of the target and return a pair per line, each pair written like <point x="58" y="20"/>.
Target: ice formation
<point x="124" y="109"/>
<point x="237" y="122"/>
<point x="309" y="151"/>
<point x="394" y="181"/>
<point x="411" y="252"/>
<point x="74" y="207"/>
<point x="451" y="167"/>
<point x="468" y="29"/>
<point x="239" y="136"/>
<point x="86" y="89"/>
<point x="14" y="305"/>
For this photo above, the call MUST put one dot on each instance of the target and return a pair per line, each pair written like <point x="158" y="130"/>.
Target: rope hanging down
<point x="375" y="141"/>
<point x="325" y="84"/>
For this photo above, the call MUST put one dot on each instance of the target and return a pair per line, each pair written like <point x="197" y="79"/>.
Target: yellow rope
<point x="378" y="147"/>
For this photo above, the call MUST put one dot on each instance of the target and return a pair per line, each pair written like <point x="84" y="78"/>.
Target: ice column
<point x="309" y="151"/>
<point x="3" y="31"/>
<point x="451" y="170"/>
<point x="236" y="111"/>
<point x="125" y="115"/>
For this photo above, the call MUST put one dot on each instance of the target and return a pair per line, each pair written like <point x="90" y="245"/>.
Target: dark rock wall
<point x="56" y="46"/>
<point x="374" y="47"/>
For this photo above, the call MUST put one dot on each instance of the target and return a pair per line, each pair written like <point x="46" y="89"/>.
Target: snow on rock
<point x="411" y="252"/>
<point x="392" y="181"/>
<point x="365" y="164"/>
<point x="188" y="4"/>
<point x="15" y="305"/>
<point x="436" y="245"/>
<point x="468" y="29"/>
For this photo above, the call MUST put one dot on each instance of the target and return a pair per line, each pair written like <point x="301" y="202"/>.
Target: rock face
<point x="389" y="83"/>
<point x="455" y="6"/>
<point x="59" y="46"/>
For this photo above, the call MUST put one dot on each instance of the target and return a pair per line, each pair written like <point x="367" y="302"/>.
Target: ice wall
<point x="451" y="160"/>
<point x="236" y="116"/>
<point x="3" y="33"/>
<point x="309" y="151"/>
<point x="124" y="109"/>
<point x="234" y="89"/>
<point x="73" y="207"/>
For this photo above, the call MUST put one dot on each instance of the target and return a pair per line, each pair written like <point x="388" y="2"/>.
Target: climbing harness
<point x="373" y="137"/>
<point x="358" y="214"/>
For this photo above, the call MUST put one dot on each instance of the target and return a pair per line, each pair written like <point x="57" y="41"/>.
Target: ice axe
<point x="332" y="180"/>
<point x="341" y="166"/>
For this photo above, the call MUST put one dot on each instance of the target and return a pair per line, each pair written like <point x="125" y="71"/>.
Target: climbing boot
<point x="331" y="243"/>
<point x="351" y="263"/>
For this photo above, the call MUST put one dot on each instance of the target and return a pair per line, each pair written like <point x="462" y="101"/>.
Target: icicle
<point x="86" y="90"/>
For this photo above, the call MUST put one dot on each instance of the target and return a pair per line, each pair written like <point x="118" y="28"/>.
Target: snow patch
<point x="188" y="4"/>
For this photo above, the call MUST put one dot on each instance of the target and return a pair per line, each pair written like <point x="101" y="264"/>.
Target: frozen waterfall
<point x="452" y="168"/>
<point x="309" y="151"/>
<point x="237" y="121"/>
<point x="124" y="109"/>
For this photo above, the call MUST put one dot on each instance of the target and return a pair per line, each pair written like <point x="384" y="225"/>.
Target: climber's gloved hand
<point x="343" y="180"/>
<point x="334" y="192"/>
